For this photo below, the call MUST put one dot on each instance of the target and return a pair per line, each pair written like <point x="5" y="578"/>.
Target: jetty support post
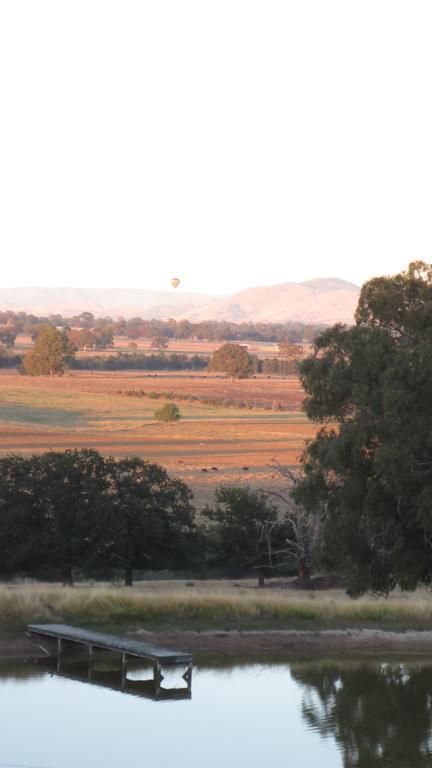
<point x="90" y="661"/>
<point x="124" y="670"/>
<point x="59" y="653"/>
<point x="188" y="676"/>
<point x="157" y="676"/>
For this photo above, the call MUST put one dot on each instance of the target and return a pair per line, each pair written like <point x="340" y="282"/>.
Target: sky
<point x="232" y="144"/>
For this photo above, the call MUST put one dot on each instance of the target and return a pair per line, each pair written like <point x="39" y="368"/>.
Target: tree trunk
<point x="261" y="579"/>
<point x="303" y="571"/>
<point x="128" y="577"/>
<point x="67" y="577"/>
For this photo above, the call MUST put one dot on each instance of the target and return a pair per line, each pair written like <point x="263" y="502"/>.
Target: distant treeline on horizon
<point x="12" y="323"/>
<point x="127" y="361"/>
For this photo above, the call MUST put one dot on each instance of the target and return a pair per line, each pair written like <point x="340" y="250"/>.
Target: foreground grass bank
<point x="206" y="605"/>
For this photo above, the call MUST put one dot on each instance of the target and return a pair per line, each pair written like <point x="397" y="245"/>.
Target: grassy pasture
<point x="262" y="391"/>
<point x="91" y="410"/>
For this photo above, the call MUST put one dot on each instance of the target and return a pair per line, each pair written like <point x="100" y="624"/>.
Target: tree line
<point x="53" y="353"/>
<point x="90" y="332"/>
<point x="78" y="511"/>
<point x="121" y="361"/>
<point x="132" y="361"/>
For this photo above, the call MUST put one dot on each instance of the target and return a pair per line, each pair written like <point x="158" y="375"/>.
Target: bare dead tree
<point x="268" y="555"/>
<point x="304" y="526"/>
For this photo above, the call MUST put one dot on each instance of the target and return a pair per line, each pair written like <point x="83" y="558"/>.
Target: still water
<point x="245" y="714"/>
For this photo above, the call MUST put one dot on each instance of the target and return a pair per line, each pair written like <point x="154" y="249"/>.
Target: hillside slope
<point x="116" y="302"/>
<point x="325" y="300"/>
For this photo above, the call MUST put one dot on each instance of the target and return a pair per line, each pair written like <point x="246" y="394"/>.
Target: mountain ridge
<point x="322" y="301"/>
<point x="127" y="302"/>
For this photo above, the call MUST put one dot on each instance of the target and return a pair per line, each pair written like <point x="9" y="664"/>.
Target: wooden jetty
<point x="65" y="636"/>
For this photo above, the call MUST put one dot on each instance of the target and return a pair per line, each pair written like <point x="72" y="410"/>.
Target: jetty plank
<point x="109" y="643"/>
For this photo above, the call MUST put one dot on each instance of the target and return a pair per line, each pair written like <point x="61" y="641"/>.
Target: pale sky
<point x="231" y="143"/>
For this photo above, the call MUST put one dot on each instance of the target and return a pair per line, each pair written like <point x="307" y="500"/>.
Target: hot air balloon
<point x="175" y="282"/>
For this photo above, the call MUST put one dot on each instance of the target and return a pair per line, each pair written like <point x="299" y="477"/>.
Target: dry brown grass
<point x="262" y="390"/>
<point x="207" y="605"/>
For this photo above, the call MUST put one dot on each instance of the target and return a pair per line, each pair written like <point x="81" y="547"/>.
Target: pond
<point x="242" y="713"/>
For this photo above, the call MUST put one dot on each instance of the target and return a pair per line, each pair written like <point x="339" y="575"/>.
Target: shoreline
<point x="329" y="642"/>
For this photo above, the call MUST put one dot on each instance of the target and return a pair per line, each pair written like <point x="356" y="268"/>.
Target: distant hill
<point x="115" y="302"/>
<point x="325" y="300"/>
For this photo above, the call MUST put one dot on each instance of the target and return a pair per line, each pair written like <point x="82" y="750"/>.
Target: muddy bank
<point x="304" y="643"/>
<point x="327" y="642"/>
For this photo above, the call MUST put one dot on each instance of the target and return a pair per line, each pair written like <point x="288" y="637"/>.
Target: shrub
<point x="168" y="412"/>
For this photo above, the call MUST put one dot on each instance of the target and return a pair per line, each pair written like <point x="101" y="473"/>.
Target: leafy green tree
<point x="168" y="412"/>
<point x="85" y="320"/>
<point x="34" y="329"/>
<point x="50" y="354"/>
<point x="159" y="342"/>
<point x="8" y="334"/>
<point x="82" y="338"/>
<point x="75" y="503"/>
<point x="368" y="473"/>
<point x="246" y="532"/>
<point x="23" y="541"/>
<point x="154" y="518"/>
<point x="54" y="512"/>
<point x="104" y="337"/>
<point x="291" y="354"/>
<point x="234" y="360"/>
<point x="290" y="351"/>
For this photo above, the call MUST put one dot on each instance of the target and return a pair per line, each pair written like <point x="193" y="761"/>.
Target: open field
<point x="258" y="392"/>
<point x="208" y="605"/>
<point x="262" y="349"/>
<point x="180" y="346"/>
<point x="234" y="445"/>
<point x="264" y="391"/>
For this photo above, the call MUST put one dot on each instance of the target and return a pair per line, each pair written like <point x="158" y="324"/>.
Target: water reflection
<point x="379" y="714"/>
<point x="106" y="673"/>
<point x="246" y="713"/>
